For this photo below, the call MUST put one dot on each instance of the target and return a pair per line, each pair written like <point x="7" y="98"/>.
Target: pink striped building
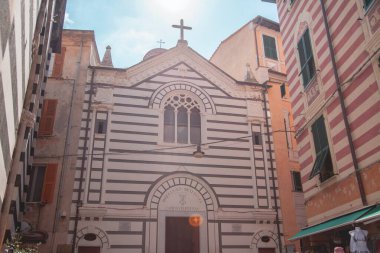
<point x="332" y="51"/>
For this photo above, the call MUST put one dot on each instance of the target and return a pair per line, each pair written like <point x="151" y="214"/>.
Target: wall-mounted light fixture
<point x="198" y="153"/>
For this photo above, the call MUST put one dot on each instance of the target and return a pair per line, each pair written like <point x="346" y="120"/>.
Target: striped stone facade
<point x="26" y="44"/>
<point x="357" y="52"/>
<point x="128" y="180"/>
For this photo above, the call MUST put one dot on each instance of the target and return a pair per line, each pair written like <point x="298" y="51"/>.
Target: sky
<point x="133" y="27"/>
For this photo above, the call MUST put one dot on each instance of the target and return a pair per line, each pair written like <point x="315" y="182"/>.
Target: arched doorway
<point x="182" y="204"/>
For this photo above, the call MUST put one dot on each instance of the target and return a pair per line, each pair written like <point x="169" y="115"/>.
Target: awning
<point x="372" y="214"/>
<point x="331" y="224"/>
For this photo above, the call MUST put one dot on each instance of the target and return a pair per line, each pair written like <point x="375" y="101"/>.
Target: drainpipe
<point x="256" y="47"/>
<point x="272" y="170"/>
<point x="67" y="144"/>
<point x="343" y="107"/>
<point x="82" y="167"/>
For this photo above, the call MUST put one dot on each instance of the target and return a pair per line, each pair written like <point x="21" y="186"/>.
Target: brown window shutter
<point x="49" y="183"/>
<point x="58" y="63"/>
<point x="48" y="115"/>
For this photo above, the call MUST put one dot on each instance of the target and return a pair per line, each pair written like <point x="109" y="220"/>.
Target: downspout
<point x="256" y="47"/>
<point x="343" y="107"/>
<point x="82" y="167"/>
<point x="67" y="144"/>
<point x="272" y="169"/>
<point x="269" y="145"/>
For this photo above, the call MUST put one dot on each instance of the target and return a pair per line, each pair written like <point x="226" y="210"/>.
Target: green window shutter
<point x="306" y="58"/>
<point x="297" y="182"/>
<point x="319" y="135"/>
<point x="323" y="159"/>
<point x="283" y="90"/>
<point x="367" y="3"/>
<point x="319" y="162"/>
<point x="270" y="47"/>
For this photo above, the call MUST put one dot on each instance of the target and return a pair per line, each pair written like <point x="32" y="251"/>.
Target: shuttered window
<point x="322" y="164"/>
<point x="58" y="63"/>
<point x="306" y="58"/>
<point x="367" y="4"/>
<point x="49" y="183"/>
<point x="283" y="90"/>
<point x="48" y="116"/>
<point x="296" y="179"/>
<point x="42" y="183"/>
<point x="270" y="47"/>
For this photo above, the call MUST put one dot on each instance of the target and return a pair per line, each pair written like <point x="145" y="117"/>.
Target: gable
<point x="177" y="64"/>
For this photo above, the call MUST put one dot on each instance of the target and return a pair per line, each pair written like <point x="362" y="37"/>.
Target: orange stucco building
<point x="255" y="53"/>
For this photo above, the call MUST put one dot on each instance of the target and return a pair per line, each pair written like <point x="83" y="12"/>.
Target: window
<point x="283" y="90"/>
<point x="100" y="126"/>
<point x="296" y="179"/>
<point x="42" y="183"/>
<point x="367" y="4"/>
<point x="322" y="164"/>
<point x="306" y="58"/>
<point x="182" y="120"/>
<point x="256" y="138"/>
<point x="48" y="116"/>
<point x="270" y="47"/>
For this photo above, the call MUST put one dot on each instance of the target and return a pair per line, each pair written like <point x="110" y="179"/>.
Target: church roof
<point x="154" y="52"/>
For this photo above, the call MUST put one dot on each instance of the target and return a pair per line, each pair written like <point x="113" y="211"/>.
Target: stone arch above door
<point x="101" y="240"/>
<point x="186" y="187"/>
<point x="270" y="241"/>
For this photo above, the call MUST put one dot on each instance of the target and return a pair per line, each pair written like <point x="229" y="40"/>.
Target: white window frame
<point x="161" y="120"/>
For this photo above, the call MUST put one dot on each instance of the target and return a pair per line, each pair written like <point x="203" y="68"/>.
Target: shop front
<point x="355" y="231"/>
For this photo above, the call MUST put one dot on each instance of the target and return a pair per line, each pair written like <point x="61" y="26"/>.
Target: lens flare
<point x="195" y="220"/>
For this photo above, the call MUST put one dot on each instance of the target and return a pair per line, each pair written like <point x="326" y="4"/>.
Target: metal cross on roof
<point x="161" y="42"/>
<point x="182" y="27"/>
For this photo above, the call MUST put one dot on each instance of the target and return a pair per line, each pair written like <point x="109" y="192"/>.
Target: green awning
<point x="372" y="214"/>
<point x="331" y="224"/>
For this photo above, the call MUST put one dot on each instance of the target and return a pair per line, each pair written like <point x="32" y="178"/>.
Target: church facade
<point x="174" y="155"/>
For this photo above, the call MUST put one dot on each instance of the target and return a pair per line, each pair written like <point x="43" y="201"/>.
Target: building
<point x="255" y="52"/>
<point x="332" y="57"/>
<point x="165" y="154"/>
<point x="28" y="37"/>
<point x="56" y="142"/>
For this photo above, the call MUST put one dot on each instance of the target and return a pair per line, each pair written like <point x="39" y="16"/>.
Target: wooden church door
<point x="83" y="249"/>
<point x="180" y="236"/>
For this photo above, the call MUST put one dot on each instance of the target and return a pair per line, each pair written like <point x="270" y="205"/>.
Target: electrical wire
<point x="158" y="149"/>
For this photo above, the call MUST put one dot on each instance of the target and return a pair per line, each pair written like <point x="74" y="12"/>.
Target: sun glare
<point x="173" y="5"/>
<point x="173" y="8"/>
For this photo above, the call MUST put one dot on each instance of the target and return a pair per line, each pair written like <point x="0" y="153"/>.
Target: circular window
<point x="90" y="237"/>
<point x="265" y="239"/>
